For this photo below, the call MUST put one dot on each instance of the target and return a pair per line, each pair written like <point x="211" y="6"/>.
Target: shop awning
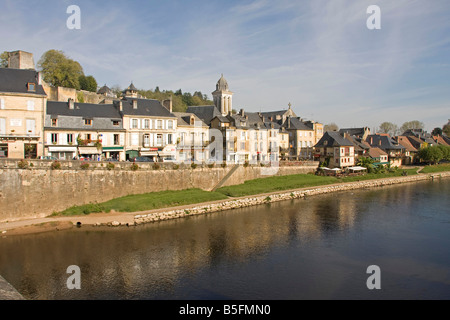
<point x="112" y="148"/>
<point x="62" y="149"/>
<point x="89" y="150"/>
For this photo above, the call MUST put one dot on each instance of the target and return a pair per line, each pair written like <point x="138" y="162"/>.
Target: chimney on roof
<point x="71" y="104"/>
<point x="168" y="104"/>
<point x="120" y="105"/>
<point x="135" y="104"/>
<point x="242" y="113"/>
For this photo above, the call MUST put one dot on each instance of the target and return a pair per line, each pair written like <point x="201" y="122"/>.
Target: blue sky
<point x="317" y="55"/>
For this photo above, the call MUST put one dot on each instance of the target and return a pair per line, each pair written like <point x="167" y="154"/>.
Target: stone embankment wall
<point x="38" y="191"/>
<point x="279" y="196"/>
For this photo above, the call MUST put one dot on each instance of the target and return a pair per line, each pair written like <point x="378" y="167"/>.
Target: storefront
<point x="92" y="153"/>
<point x="114" y="153"/>
<point x="62" y="153"/>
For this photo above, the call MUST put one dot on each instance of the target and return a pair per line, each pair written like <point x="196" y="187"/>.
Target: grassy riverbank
<point x="148" y="201"/>
<point x="167" y="199"/>
<point x="280" y="183"/>
<point x="436" y="168"/>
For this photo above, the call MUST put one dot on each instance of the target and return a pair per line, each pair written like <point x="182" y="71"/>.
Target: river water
<point x="314" y="248"/>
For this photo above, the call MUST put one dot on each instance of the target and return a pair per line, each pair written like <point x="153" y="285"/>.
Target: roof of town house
<point x="277" y="115"/>
<point x="292" y="123"/>
<point x="383" y="141"/>
<point x="16" y="81"/>
<point x="404" y="141"/>
<point x="440" y="140"/>
<point x="184" y="119"/>
<point x="376" y="152"/>
<point x="86" y="110"/>
<point x="333" y="139"/>
<point x="205" y="113"/>
<point x="415" y="141"/>
<point x="358" y="143"/>
<point x="145" y="107"/>
<point x="359" y="132"/>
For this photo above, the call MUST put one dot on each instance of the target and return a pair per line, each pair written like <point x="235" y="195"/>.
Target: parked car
<point x="169" y="159"/>
<point x="2" y="154"/>
<point x="142" y="159"/>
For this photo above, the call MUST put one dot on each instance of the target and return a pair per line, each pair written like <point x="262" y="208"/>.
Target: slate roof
<point x="205" y="113"/>
<point x="359" y="132"/>
<point x="384" y="142"/>
<point x="267" y="115"/>
<point x="85" y="110"/>
<point x="184" y="119"/>
<point x="292" y="123"/>
<point x="334" y="139"/>
<point x="16" y="80"/>
<point x="145" y="107"/>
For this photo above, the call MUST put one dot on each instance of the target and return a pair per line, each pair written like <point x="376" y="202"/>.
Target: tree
<point x="388" y="127"/>
<point x="436" y="131"/>
<point x="415" y="124"/>
<point x="446" y="129"/>
<point x="4" y="57"/>
<point x="60" y="71"/>
<point x="331" y="127"/>
<point x="432" y="154"/>
<point x="88" y="83"/>
<point x="366" y="162"/>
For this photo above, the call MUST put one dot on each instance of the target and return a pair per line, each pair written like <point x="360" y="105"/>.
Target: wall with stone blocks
<point x="38" y="192"/>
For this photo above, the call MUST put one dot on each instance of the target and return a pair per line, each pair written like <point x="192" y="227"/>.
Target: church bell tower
<point x="223" y="97"/>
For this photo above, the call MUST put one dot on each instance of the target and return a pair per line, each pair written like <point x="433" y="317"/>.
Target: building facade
<point x="22" y="107"/>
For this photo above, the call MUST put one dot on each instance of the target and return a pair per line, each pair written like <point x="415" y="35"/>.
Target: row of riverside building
<point x="38" y="120"/>
<point x="37" y="123"/>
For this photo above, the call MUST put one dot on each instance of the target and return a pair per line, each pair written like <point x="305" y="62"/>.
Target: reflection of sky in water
<point x="319" y="247"/>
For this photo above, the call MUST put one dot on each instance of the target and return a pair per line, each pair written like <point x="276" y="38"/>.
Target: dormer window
<point x="88" y="122"/>
<point x="116" y="123"/>
<point x="54" y="122"/>
<point x="31" y="87"/>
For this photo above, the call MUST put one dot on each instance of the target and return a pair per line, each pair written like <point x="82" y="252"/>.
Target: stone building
<point x="82" y="130"/>
<point x="335" y="151"/>
<point x="22" y="108"/>
<point x="192" y="138"/>
<point x="150" y="127"/>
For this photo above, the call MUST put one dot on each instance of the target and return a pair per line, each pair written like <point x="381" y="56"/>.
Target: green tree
<point x="88" y="83"/>
<point x="415" y="124"/>
<point x="445" y="151"/>
<point x="432" y="154"/>
<point x="436" y="131"/>
<point x="388" y="127"/>
<point x="446" y="129"/>
<point x="59" y="70"/>
<point x="4" y="59"/>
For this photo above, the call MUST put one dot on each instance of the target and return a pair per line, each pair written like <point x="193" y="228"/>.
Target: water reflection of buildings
<point x="149" y="261"/>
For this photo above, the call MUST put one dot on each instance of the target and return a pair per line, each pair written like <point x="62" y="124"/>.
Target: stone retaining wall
<point x="279" y="196"/>
<point x="38" y="192"/>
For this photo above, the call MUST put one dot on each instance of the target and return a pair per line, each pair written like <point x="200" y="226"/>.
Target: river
<point x="314" y="248"/>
